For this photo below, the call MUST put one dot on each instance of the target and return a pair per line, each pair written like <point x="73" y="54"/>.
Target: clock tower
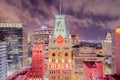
<point x="60" y="63"/>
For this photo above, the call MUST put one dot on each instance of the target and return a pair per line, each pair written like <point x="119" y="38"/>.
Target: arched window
<point x="60" y="54"/>
<point x="66" y="54"/>
<point x="53" y="54"/>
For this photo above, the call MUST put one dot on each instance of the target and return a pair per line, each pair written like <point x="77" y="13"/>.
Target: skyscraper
<point x="3" y="60"/>
<point x="13" y="34"/>
<point x="60" y="52"/>
<point x="117" y="50"/>
<point x="107" y="45"/>
<point x="42" y="36"/>
<point x="38" y="61"/>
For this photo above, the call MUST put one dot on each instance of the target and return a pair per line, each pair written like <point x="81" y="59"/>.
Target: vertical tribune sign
<point x="118" y="31"/>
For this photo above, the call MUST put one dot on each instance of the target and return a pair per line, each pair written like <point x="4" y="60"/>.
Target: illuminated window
<point x="53" y="77"/>
<point x="65" y="71"/>
<point x="53" y="60"/>
<point x="60" y="54"/>
<point x="58" y="71"/>
<point x="50" y="72"/>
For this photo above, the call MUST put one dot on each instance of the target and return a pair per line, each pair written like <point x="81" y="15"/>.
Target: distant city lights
<point x="43" y="27"/>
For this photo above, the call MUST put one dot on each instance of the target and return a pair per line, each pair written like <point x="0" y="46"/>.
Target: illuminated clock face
<point x="118" y="31"/>
<point x="60" y="40"/>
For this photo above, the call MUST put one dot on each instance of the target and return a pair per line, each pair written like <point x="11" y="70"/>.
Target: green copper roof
<point x="60" y="26"/>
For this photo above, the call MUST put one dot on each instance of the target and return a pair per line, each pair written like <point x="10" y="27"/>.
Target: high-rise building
<point x="93" y="70"/>
<point x="3" y="60"/>
<point x="107" y="45"/>
<point x="42" y="36"/>
<point x="38" y="61"/>
<point x="117" y="50"/>
<point x="60" y="62"/>
<point x="13" y="34"/>
<point x="78" y="62"/>
<point x="25" y="54"/>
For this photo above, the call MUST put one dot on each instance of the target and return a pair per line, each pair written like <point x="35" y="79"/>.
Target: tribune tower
<point x="60" y="52"/>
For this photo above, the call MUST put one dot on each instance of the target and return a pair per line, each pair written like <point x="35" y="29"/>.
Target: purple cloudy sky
<point x="90" y="19"/>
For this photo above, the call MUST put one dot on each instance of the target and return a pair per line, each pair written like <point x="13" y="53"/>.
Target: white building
<point x="107" y="45"/>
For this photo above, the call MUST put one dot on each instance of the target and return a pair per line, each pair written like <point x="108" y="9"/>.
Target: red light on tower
<point x="117" y="31"/>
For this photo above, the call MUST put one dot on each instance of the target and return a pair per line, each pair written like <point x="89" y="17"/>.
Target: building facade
<point x="107" y="45"/>
<point x="60" y="63"/>
<point x="3" y="60"/>
<point x="93" y="70"/>
<point x="117" y="50"/>
<point x="80" y="58"/>
<point x="13" y="34"/>
<point x="38" y="61"/>
<point x="41" y="35"/>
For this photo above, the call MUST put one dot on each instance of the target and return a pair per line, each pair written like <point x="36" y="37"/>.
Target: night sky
<point x="89" y="19"/>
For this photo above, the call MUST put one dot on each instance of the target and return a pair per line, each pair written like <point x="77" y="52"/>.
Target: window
<point x="53" y="60"/>
<point x="66" y="54"/>
<point x="60" y="54"/>
<point x="53" y="54"/>
<point x="40" y="51"/>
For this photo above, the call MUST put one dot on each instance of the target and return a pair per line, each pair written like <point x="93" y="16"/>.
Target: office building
<point x="13" y="33"/>
<point x="93" y="70"/>
<point x="42" y="36"/>
<point x="3" y="60"/>
<point x="80" y="58"/>
<point x="38" y="61"/>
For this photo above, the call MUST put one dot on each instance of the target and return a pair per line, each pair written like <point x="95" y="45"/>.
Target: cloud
<point x="86" y="22"/>
<point x="114" y="24"/>
<point x="103" y="7"/>
<point x="6" y="14"/>
<point x="100" y="13"/>
<point x="104" y="14"/>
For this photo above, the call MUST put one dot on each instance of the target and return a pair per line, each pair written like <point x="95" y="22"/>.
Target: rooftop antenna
<point x="60" y="6"/>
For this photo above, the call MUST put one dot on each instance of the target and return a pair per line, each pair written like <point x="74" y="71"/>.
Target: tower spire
<point x="60" y="7"/>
